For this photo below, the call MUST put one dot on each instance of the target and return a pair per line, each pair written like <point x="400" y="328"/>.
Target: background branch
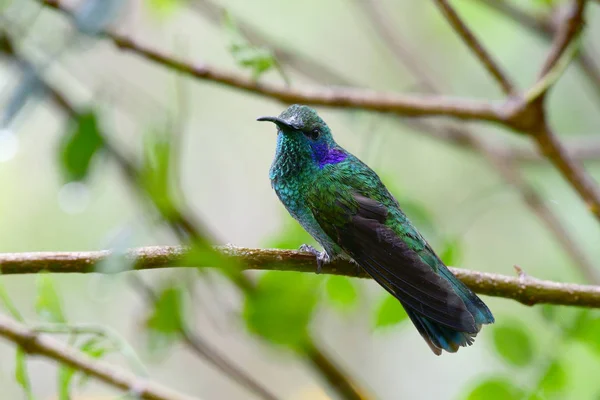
<point x="501" y="161"/>
<point x="472" y="42"/>
<point x="39" y="344"/>
<point x="526" y="290"/>
<point x="544" y="26"/>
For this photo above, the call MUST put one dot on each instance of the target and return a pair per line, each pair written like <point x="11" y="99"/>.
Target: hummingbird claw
<point x="322" y="256"/>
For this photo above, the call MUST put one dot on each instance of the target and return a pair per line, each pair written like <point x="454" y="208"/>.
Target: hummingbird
<point x="345" y="207"/>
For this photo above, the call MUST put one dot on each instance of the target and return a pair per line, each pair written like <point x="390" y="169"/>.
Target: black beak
<point x="277" y="121"/>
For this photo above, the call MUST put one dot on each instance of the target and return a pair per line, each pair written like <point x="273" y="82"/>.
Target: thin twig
<point x="476" y="47"/>
<point x="406" y="105"/>
<point x="544" y="26"/>
<point x="120" y="343"/>
<point x="528" y="291"/>
<point x="303" y="63"/>
<point x="565" y="34"/>
<point x="44" y="345"/>
<point x="202" y="347"/>
<point x="547" y="141"/>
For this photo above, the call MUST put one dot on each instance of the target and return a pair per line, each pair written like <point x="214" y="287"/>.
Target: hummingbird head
<point x="303" y="137"/>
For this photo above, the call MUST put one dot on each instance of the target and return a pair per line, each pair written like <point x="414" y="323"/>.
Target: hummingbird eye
<point x="314" y="134"/>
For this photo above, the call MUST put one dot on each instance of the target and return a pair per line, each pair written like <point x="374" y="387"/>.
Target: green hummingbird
<point x="344" y="205"/>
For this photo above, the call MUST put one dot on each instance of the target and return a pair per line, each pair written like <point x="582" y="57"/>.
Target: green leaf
<point x="389" y="313"/>
<point x="281" y="307"/>
<point x="548" y="312"/>
<point x="80" y="146"/>
<point x="65" y="377"/>
<point x="291" y="236"/>
<point x="555" y="379"/>
<point x="452" y="252"/>
<point x="166" y="320"/>
<point x="156" y="171"/>
<point x="164" y="7"/>
<point x="589" y="333"/>
<point x="21" y="374"/>
<point x="257" y="59"/>
<point x="8" y="304"/>
<point x="48" y="305"/>
<point x="496" y="389"/>
<point x="513" y="343"/>
<point x="95" y="347"/>
<point x="341" y="292"/>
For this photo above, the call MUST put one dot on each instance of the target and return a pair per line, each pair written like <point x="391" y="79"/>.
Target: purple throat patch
<point x="333" y="156"/>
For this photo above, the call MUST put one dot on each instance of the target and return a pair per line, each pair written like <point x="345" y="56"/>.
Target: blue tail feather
<point x="440" y="337"/>
<point x="481" y="313"/>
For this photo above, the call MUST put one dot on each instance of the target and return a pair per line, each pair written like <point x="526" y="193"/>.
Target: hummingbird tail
<point x="480" y="312"/>
<point x="440" y="337"/>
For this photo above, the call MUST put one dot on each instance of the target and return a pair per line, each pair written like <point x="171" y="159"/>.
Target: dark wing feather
<point x="361" y="231"/>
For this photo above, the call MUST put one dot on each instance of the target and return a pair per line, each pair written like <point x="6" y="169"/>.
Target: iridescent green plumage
<point x="344" y="205"/>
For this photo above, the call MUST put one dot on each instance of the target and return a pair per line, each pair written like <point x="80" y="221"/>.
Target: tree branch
<point x="527" y="291"/>
<point x="544" y="26"/>
<point x="303" y="63"/>
<point x="43" y="345"/>
<point x="405" y="105"/>
<point x="567" y="32"/>
<point x="473" y="43"/>
<point x="502" y="162"/>
<point x="339" y="97"/>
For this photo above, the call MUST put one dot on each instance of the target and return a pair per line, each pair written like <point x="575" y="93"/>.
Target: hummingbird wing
<point x="387" y="248"/>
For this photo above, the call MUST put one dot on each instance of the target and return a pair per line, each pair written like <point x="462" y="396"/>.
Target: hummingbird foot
<point x="322" y="256"/>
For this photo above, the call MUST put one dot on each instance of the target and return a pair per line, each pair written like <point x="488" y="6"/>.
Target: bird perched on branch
<point x="344" y="205"/>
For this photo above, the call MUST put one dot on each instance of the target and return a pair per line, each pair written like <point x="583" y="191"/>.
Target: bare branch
<point x="567" y="31"/>
<point x="571" y="170"/>
<point x="537" y="23"/>
<point x="473" y="43"/>
<point x="43" y="345"/>
<point x="303" y="63"/>
<point x="544" y="26"/>
<point x="531" y="291"/>
<point x="502" y="161"/>
<point x="340" y="97"/>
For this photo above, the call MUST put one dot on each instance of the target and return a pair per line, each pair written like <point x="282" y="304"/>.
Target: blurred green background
<point x="452" y="193"/>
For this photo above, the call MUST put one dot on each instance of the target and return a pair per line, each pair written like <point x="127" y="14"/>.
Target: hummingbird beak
<point x="278" y="121"/>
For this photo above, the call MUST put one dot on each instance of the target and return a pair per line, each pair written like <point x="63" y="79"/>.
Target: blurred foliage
<point x="452" y="252"/>
<point x="554" y="380"/>
<point x="21" y="373"/>
<point x="389" y="313"/>
<point x="48" y="305"/>
<point x="156" y="171"/>
<point x="257" y="59"/>
<point x="342" y="292"/>
<point x="80" y="146"/>
<point x="513" y="342"/>
<point x="165" y="322"/>
<point x="29" y="86"/>
<point x="290" y="236"/>
<point x="164" y="7"/>
<point x="281" y="308"/>
<point x="7" y="302"/>
<point x="93" y="347"/>
<point x="282" y="305"/>
<point x="496" y="389"/>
